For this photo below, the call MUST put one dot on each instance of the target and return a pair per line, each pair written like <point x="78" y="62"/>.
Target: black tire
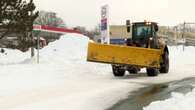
<point x="118" y="71"/>
<point x="152" y="71"/>
<point x="165" y="65"/>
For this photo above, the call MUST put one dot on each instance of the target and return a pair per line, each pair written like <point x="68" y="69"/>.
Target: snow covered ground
<point x="64" y="80"/>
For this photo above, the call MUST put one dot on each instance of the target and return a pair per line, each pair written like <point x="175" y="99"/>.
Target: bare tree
<point x="50" y="19"/>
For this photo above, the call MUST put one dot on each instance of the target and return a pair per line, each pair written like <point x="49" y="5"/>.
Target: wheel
<point x="165" y="65"/>
<point x="118" y="71"/>
<point x="152" y="71"/>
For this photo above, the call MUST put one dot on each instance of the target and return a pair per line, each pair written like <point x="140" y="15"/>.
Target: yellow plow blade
<point x="127" y="55"/>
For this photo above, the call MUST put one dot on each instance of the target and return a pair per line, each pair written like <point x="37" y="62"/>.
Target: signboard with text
<point x="105" y="37"/>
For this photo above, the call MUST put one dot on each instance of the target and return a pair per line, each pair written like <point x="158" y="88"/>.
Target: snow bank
<point x="68" y="48"/>
<point x="58" y="61"/>
<point x="176" y="102"/>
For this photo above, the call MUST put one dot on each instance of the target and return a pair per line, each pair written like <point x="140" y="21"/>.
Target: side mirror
<point x="156" y="27"/>
<point x="128" y="25"/>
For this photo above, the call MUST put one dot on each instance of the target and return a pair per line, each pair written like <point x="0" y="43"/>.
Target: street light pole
<point x="183" y="37"/>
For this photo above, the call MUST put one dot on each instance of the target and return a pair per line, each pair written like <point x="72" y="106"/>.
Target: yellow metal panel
<point x="120" y="54"/>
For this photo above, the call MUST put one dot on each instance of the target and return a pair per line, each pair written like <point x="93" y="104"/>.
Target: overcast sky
<point x="87" y="12"/>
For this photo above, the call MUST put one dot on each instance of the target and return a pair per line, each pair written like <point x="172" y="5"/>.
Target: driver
<point x="144" y="32"/>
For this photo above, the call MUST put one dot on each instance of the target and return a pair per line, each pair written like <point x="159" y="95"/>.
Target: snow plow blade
<point x="125" y="55"/>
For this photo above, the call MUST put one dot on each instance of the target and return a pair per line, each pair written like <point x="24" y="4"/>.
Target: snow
<point x="65" y="80"/>
<point x="177" y="101"/>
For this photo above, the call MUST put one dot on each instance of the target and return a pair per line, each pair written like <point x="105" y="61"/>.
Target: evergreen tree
<point x="17" y="16"/>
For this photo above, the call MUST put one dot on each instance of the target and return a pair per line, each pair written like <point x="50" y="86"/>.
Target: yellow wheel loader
<point x="143" y="50"/>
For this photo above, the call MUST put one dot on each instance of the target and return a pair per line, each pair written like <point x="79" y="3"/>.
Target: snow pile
<point x="58" y="61"/>
<point x="176" y="102"/>
<point x="69" y="48"/>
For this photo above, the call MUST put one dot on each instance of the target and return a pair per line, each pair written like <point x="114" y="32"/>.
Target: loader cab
<point x="142" y="32"/>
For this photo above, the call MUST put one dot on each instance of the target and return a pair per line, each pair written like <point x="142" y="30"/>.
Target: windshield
<point x="142" y="31"/>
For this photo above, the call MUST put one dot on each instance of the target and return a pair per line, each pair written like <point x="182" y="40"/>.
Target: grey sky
<point x="87" y="12"/>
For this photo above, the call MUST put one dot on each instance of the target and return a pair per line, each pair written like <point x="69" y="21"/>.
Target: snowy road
<point x="156" y="94"/>
<point x="64" y="80"/>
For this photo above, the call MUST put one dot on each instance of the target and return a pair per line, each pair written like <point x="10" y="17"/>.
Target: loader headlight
<point x="151" y="38"/>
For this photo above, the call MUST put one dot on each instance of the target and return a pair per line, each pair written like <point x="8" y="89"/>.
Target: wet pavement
<point x="143" y="97"/>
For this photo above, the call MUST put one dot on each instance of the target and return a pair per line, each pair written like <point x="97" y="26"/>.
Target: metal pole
<point x="32" y="45"/>
<point x="183" y="37"/>
<point x="32" y="40"/>
<point x="38" y="46"/>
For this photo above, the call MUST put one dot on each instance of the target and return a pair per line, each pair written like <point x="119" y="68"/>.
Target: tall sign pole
<point x="32" y="40"/>
<point x="105" y="31"/>
<point x="37" y="29"/>
<point x="32" y="44"/>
